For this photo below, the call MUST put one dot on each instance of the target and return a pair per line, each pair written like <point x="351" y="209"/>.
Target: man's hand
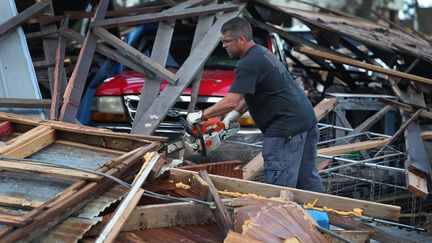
<point x="194" y="117"/>
<point x="231" y="117"/>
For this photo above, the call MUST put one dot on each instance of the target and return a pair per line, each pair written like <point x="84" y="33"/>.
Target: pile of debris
<point x="68" y="183"/>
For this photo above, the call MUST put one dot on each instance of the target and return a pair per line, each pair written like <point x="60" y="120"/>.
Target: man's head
<point x="237" y="37"/>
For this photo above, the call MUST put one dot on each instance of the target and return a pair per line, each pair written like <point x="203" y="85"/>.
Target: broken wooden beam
<point x="47" y="170"/>
<point x="168" y="215"/>
<point x="17" y="202"/>
<point x="104" y="50"/>
<point x="78" y="15"/>
<point x="223" y="218"/>
<point x="155" y="68"/>
<point x="20" y="19"/>
<point x="426" y="135"/>
<point x="25" y="103"/>
<point x="371" y="67"/>
<point x="164" y="15"/>
<point x="59" y="75"/>
<point x="368" y="123"/>
<point x="75" y="87"/>
<point x="417" y="160"/>
<point x="407" y="107"/>
<point x="399" y="132"/>
<point x="29" y="142"/>
<point x="378" y="210"/>
<point x="324" y="107"/>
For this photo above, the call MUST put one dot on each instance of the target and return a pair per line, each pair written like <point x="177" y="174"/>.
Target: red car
<point x="116" y="100"/>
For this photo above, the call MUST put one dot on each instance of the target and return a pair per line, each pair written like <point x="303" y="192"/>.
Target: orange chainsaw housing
<point x="209" y="126"/>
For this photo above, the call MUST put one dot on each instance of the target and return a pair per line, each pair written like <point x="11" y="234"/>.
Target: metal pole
<point x="355" y="162"/>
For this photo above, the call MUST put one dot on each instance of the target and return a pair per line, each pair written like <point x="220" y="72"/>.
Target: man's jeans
<point x="290" y="161"/>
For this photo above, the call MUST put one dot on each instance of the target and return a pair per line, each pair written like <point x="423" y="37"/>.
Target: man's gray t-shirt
<point x="277" y="105"/>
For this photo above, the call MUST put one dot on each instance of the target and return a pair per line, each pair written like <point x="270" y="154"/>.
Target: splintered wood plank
<point x="223" y="218"/>
<point x="159" y="54"/>
<point x="204" y="23"/>
<point x="59" y="74"/>
<point x="154" y="67"/>
<point x="417" y="160"/>
<point x="20" y="19"/>
<point x="79" y="75"/>
<point x="378" y="210"/>
<point x="368" y="123"/>
<point x="12" y="220"/>
<point x="77" y="15"/>
<point x="156" y="17"/>
<point x="23" y="166"/>
<point x="19" y="202"/>
<point x="354" y="63"/>
<point x="29" y="142"/>
<point x="346" y="148"/>
<point x="426" y="135"/>
<point x="200" y="186"/>
<point x="407" y="107"/>
<point x="417" y="185"/>
<point x="324" y="107"/>
<point x="168" y="215"/>
<point x="166" y="100"/>
<point x="104" y="50"/>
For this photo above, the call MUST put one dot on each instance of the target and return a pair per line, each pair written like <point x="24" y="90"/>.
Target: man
<point x="280" y="109"/>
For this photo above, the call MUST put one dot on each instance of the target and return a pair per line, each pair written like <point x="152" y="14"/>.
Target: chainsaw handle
<point x="201" y="138"/>
<point x="186" y="126"/>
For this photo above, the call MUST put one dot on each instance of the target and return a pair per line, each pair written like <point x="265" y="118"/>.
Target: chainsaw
<point x="207" y="135"/>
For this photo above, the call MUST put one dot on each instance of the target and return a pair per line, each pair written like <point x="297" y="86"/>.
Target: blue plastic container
<point x="321" y="218"/>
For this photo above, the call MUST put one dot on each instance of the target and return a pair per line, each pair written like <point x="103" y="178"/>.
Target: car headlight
<point x="108" y="109"/>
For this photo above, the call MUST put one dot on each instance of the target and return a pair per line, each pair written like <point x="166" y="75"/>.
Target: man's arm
<point x="230" y="102"/>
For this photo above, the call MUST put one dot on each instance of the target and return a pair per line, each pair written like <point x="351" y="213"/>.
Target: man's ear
<point x="242" y="38"/>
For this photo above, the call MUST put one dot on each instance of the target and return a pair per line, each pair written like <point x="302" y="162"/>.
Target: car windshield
<point x="181" y="45"/>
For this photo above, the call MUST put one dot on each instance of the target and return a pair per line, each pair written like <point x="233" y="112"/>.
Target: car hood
<point x="213" y="83"/>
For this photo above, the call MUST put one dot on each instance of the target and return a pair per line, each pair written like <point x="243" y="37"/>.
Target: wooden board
<point x="378" y="210"/>
<point x="371" y="67"/>
<point x="156" y="17"/>
<point x="347" y="148"/>
<point x="417" y="185"/>
<point x="426" y="135"/>
<point x="155" y="68"/>
<point x="168" y="215"/>
<point x="17" y="202"/>
<point x="23" y="166"/>
<point x="79" y="75"/>
<point x="20" y="19"/>
<point x="324" y="107"/>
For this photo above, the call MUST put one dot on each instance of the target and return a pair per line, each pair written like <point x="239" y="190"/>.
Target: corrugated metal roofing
<point x="74" y="228"/>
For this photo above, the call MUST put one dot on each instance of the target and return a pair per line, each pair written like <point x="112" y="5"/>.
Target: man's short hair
<point x="238" y="26"/>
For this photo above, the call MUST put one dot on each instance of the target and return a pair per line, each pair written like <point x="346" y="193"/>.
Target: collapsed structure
<point x="73" y="200"/>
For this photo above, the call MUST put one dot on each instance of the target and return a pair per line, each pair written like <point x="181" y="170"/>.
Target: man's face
<point x="232" y="44"/>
